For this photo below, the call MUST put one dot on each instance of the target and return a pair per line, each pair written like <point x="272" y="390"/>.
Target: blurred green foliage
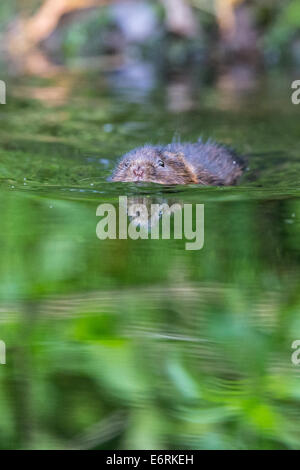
<point x="284" y="28"/>
<point x="277" y="23"/>
<point x="159" y="347"/>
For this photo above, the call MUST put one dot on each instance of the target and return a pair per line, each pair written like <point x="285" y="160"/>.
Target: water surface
<point x="143" y="344"/>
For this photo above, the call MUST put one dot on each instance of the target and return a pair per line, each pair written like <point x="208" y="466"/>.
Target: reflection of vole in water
<point x="180" y="163"/>
<point x="149" y="210"/>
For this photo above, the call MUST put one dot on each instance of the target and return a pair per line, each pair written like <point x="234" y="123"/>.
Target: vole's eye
<point x="160" y="163"/>
<point x="126" y="164"/>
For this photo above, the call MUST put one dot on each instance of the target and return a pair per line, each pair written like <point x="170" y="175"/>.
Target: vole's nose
<point x="138" y="171"/>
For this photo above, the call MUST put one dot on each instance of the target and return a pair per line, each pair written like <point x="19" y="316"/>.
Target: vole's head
<point x="153" y="165"/>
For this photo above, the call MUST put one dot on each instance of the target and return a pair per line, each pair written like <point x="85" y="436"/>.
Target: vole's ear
<point x="174" y="155"/>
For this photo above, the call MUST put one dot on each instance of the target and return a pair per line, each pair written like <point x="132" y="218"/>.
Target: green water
<point x="141" y="343"/>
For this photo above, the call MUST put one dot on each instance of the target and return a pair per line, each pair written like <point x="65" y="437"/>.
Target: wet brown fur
<point x="200" y="163"/>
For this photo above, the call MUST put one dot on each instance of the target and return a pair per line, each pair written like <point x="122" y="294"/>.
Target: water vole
<point x="180" y="163"/>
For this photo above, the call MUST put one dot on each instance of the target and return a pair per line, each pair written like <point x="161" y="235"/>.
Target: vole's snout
<point x="138" y="171"/>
